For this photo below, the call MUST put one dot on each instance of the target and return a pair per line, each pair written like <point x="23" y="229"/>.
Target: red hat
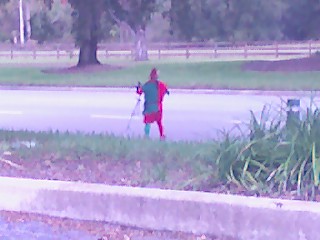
<point x="154" y="73"/>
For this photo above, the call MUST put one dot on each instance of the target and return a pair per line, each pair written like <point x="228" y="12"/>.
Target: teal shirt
<point x="151" y="96"/>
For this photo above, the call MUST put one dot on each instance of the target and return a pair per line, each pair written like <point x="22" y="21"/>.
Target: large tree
<point x="87" y="29"/>
<point x="137" y="14"/>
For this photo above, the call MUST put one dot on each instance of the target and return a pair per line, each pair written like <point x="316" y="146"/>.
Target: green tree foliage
<point x="42" y="28"/>
<point x="51" y="25"/>
<point x="301" y="19"/>
<point x="181" y="20"/>
<point x="91" y="22"/>
<point x="3" y="1"/>
<point x="137" y="14"/>
<point x="252" y="20"/>
<point x="9" y="20"/>
<point x="228" y="20"/>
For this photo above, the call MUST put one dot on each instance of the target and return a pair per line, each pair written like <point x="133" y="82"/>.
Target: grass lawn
<point x="193" y="74"/>
<point x="106" y="159"/>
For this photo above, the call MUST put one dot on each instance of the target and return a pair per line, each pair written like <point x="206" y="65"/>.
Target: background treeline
<point x="169" y="20"/>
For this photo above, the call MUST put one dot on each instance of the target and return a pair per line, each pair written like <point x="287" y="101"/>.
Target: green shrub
<point x="277" y="156"/>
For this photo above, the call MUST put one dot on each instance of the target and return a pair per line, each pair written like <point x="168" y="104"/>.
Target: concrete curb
<point x="175" y="90"/>
<point x="243" y="218"/>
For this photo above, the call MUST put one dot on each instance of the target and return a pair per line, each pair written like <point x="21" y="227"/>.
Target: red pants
<point x="155" y="117"/>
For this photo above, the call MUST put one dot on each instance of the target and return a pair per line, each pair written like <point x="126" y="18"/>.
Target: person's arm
<point x="166" y="90"/>
<point x="163" y="90"/>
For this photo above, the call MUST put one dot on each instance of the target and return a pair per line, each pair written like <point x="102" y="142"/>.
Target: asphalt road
<point x="187" y="116"/>
<point x="38" y="231"/>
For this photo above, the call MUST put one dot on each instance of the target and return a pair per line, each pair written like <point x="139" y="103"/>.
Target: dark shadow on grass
<point x="305" y="64"/>
<point x="82" y="69"/>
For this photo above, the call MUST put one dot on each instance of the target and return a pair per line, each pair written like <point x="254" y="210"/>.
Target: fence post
<point x="159" y="54"/>
<point x="11" y="53"/>
<point x="215" y="50"/>
<point x="310" y="49"/>
<point x="245" y="50"/>
<point x="107" y="53"/>
<point x="187" y="52"/>
<point x="58" y="52"/>
<point x="277" y="50"/>
<point x="34" y="54"/>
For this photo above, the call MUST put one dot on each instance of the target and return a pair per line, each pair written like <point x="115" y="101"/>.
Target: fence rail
<point x="170" y="50"/>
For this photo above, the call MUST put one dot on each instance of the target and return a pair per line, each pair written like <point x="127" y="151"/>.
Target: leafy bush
<point x="279" y="155"/>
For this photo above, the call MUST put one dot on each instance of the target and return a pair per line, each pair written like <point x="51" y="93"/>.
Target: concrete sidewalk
<point x="243" y="218"/>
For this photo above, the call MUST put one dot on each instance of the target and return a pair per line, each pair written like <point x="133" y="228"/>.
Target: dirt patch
<point x="120" y="173"/>
<point x="306" y="64"/>
<point x="81" y="70"/>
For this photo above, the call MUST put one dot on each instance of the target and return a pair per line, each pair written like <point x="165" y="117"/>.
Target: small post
<point x="159" y="54"/>
<point x="293" y="112"/>
<point x="11" y="53"/>
<point x="310" y="48"/>
<point x="215" y="50"/>
<point x="187" y="53"/>
<point x="107" y="53"/>
<point x="246" y="50"/>
<point x="34" y="54"/>
<point x="277" y="50"/>
<point x="58" y="52"/>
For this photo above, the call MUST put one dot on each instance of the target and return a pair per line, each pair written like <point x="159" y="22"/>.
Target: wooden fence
<point x="170" y="50"/>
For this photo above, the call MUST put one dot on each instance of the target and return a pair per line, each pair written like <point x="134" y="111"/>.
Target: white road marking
<point x="236" y="121"/>
<point x="120" y="117"/>
<point x="4" y="112"/>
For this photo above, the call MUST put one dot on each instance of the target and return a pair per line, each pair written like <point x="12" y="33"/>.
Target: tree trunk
<point x="88" y="53"/>
<point x="27" y="20"/>
<point x="141" y="50"/>
<point x="88" y="30"/>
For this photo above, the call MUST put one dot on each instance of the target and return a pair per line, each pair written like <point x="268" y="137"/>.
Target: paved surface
<point x="37" y="231"/>
<point x="187" y="116"/>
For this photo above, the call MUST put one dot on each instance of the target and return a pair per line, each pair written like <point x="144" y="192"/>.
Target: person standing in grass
<point x="154" y="91"/>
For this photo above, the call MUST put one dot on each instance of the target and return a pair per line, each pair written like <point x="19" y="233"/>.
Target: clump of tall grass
<point x="279" y="155"/>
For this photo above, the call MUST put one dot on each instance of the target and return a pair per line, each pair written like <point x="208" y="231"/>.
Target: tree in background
<point x="227" y="20"/>
<point x="91" y="22"/>
<point x="86" y="28"/>
<point x="9" y="19"/>
<point x="3" y="1"/>
<point x="137" y="14"/>
<point x="51" y="25"/>
<point x="182" y="22"/>
<point x="301" y="19"/>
